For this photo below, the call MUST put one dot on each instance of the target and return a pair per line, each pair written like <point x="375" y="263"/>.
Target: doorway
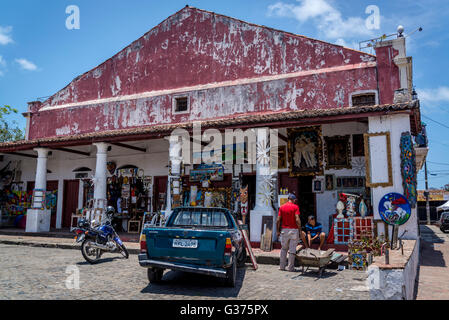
<point x="70" y="201"/>
<point x="160" y="193"/>
<point x="301" y="187"/>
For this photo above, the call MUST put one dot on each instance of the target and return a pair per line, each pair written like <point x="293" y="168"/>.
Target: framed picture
<point x="305" y="151"/>
<point x="358" y="145"/>
<point x="282" y="157"/>
<point x="337" y="152"/>
<point x="378" y="173"/>
<point x="330" y="182"/>
<point x="350" y="182"/>
<point x="318" y="185"/>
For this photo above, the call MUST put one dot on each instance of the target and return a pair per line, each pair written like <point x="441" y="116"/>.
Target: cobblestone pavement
<point x="433" y="281"/>
<point x="40" y="273"/>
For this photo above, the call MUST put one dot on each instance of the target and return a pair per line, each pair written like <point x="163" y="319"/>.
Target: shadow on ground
<point x="429" y="256"/>
<point x="181" y="283"/>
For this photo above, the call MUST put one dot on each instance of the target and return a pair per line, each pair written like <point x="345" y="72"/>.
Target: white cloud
<point x="5" y="35"/>
<point x="434" y="96"/>
<point x="26" y="65"/>
<point x="2" y="65"/>
<point x="327" y="18"/>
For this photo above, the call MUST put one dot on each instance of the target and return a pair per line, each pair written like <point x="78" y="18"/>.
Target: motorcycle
<point x="96" y="241"/>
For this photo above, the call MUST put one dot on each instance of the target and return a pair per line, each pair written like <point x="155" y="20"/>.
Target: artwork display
<point x="203" y="172"/>
<point x="244" y="203"/>
<point x="350" y="182"/>
<point x="318" y="185"/>
<point x="380" y="173"/>
<point x="305" y="151"/>
<point x="282" y="157"/>
<point x="111" y="166"/>
<point x="408" y="168"/>
<point x="394" y="209"/>
<point x="330" y="182"/>
<point x="343" y="230"/>
<point x="208" y="197"/>
<point x="337" y="152"/>
<point x="363" y="228"/>
<point x="358" y="145"/>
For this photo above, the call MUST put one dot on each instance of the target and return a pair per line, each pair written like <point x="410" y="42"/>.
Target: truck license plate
<point x="185" y="243"/>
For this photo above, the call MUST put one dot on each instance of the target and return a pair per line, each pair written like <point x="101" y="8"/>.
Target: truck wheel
<point x="231" y="275"/>
<point x="241" y="260"/>
<point x="155" y="275"/>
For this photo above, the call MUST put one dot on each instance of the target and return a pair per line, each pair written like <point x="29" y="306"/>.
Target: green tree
<point x="9" y="130"/>
<point x="446" y="187"/>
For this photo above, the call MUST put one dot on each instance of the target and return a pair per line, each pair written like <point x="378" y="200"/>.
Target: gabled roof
<point x="196" y="47"/>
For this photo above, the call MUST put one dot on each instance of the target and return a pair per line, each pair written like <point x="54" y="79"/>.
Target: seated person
<point x="313" y="233"/>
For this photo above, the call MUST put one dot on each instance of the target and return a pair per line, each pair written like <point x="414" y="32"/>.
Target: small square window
<point x="181" y="105"/>
<point x="364" y="100"/>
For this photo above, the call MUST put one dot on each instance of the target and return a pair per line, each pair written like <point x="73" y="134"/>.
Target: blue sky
<point x="39" y="55"/>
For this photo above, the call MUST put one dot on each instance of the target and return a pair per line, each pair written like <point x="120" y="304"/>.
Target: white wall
<point x="396" y="125"/>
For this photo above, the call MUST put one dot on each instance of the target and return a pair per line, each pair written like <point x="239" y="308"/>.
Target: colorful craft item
<point x="394" y="209"/>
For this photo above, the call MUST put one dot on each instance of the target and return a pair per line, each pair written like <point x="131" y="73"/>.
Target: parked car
<point x="443" y="223"/>
<point x="197" y="240"/>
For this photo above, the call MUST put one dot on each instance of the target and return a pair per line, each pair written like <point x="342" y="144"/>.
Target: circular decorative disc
<point x="394" y="209"/>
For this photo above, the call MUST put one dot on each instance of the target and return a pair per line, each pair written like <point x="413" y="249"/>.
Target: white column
<point x="263" y="185"/>
<point x="41" y="169"/>
<point x="174" y="171"/>
<point x="38" y="220"/>
<point x="100" y="172"/>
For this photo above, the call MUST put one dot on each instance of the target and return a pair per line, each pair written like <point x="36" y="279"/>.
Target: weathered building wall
<point x="317" y="91"/>
<point x="220" y="61"/>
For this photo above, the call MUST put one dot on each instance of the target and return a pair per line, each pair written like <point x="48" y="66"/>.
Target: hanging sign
<point x="394" y="209"/>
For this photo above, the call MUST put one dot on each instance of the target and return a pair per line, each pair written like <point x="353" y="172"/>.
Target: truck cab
<point x="196" y="240"/>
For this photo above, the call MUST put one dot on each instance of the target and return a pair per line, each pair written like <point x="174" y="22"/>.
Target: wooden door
<point x="285" y="181"/>
<point x="160" y="193"/>
<point x="51" y="186"/>
<point x="70" y="201"/>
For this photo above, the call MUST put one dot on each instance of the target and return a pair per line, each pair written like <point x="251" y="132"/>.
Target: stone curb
<point x="53" y="245"/>
<point x="260" y="259"/>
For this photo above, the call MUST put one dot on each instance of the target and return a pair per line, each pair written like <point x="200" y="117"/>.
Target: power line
<point x="439" y="163"/>
<point x="441" y="124"/>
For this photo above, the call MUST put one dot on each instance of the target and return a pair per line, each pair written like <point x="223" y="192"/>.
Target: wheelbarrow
<point x="311" y="258"/>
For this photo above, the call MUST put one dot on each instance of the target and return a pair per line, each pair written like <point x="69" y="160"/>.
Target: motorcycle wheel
<point x="123" y="250"/>
<point x="91" y="255"/>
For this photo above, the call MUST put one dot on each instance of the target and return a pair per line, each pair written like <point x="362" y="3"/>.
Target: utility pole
<point x="427" y="195"/>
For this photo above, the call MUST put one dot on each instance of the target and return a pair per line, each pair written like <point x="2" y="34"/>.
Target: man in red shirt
<point x="289" y="229"/>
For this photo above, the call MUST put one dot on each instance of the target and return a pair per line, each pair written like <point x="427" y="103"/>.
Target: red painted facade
<point x="226" y="67"/>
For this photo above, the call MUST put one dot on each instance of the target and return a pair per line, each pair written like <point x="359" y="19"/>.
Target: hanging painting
<point x="337" y="152"/>
<point x="330" y="182"/>
<point x="408" y="168"/>
<point x="305" y="151"/>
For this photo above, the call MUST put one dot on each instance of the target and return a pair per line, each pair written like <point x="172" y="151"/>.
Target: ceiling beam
<point x="127" y="146"/>
<point x="23" y="155"/>
<point x="87" y="154"/>
<point x="283" y="138"/>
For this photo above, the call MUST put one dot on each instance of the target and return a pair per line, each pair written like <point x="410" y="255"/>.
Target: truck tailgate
<point x="201" y="247"/>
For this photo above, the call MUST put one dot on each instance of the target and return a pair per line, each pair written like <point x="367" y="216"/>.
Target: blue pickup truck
<point x="196" y="240"/>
